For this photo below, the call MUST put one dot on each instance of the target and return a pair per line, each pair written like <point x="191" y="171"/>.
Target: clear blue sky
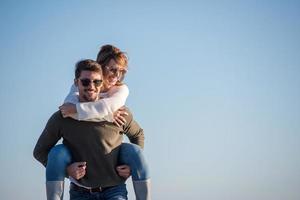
<point x="214" y="84"/>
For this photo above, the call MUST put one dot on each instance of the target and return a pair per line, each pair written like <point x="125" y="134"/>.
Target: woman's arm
<point x="73" y="95"/>
<point x="68" y="109"/>
<point x="104" y="108"/>
<point x="101" y="110"/>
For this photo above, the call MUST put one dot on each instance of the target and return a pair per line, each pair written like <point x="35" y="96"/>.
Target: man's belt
<point x="91" y="190"/>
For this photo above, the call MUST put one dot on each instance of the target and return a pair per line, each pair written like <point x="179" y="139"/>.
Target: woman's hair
<point x="108" y="52"/>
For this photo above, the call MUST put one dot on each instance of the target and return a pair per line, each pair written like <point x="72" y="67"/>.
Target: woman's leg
<point x="132" y="155"/>
<point x="59" y="158"/>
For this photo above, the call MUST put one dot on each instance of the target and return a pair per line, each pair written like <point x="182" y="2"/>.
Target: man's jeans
<point x="118" y="192"/>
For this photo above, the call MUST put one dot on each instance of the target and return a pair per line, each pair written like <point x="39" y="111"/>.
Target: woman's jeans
<point x="60" y="157"/>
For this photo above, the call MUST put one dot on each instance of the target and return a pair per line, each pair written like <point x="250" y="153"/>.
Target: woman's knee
<point x="59" y="153"/>
<point x="132" y="155"/>
<point x="131" y="149"/>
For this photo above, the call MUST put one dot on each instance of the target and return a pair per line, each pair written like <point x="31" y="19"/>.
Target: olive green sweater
<point x="97" y="143"/>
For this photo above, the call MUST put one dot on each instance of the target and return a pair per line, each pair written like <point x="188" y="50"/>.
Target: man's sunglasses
<point x="86" y="82"/>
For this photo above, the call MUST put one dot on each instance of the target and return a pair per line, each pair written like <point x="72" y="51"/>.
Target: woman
<point x="109" y="108"/>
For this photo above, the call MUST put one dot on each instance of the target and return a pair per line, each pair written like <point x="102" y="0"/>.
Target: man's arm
<point x="136" y="136"/>
<point x="133" y="131"/>
<point x="49" y="137"/>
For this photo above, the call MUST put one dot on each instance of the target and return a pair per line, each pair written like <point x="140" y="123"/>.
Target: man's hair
<point x="87" y="65"/>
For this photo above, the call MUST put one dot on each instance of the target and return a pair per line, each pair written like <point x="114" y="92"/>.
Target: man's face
<point x="89" y="84"/>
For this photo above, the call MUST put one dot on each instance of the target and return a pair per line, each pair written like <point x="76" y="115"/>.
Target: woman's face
<point x="112" y="73"/>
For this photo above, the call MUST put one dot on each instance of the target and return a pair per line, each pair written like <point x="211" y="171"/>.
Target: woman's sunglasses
<point x="115" y="69"/>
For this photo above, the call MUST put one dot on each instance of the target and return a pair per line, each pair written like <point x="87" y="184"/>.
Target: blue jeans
<point x="60" y="157"/>
<point x="118" y="192"/>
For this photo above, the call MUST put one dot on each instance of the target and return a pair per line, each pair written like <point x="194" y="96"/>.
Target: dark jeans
<point x="118" y="192"/>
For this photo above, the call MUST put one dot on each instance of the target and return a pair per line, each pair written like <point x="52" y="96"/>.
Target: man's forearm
<point x="139" y="139"/>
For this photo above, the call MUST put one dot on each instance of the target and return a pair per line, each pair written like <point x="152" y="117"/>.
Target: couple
<point x="92" y="123"/>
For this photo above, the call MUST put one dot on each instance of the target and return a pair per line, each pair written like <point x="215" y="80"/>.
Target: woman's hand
<point x="123" y="171"/>
<point x="118" y="115"/>
<point x="67" y="109"/>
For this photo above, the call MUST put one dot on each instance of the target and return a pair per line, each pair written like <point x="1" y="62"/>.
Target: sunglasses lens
<point x="115" y="69"/>
<point x="97" y="82"/>
<point x="85" y="82"/>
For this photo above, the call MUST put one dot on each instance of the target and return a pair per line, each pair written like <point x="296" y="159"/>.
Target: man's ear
<point x="76" y="82"/>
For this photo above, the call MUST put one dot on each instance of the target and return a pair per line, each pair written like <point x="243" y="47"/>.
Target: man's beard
<point x="90" y="98"/>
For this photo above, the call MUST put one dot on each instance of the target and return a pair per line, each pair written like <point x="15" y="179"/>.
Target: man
<point x="94" y="145"/>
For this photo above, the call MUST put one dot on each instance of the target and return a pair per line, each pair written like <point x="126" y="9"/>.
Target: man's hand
<point x="123" y="171"/>
<point x="77" y="170"/>
<point x="118" y="115"/>
<point x="67" y="109"/>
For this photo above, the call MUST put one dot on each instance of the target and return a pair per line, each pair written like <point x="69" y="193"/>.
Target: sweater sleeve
<point x="133" y="131"/>
<point x="73" y="95"/>
<point x="49" y="137"/>
<point x="103" y="109"/>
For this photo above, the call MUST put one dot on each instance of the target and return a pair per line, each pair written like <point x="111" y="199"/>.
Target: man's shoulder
<point x="128" y="111"/>
<point x="56" y="116"/>
<point x="129" y="118"/>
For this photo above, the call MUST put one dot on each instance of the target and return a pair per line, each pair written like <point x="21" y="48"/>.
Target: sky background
<point x="214" y="84"/>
